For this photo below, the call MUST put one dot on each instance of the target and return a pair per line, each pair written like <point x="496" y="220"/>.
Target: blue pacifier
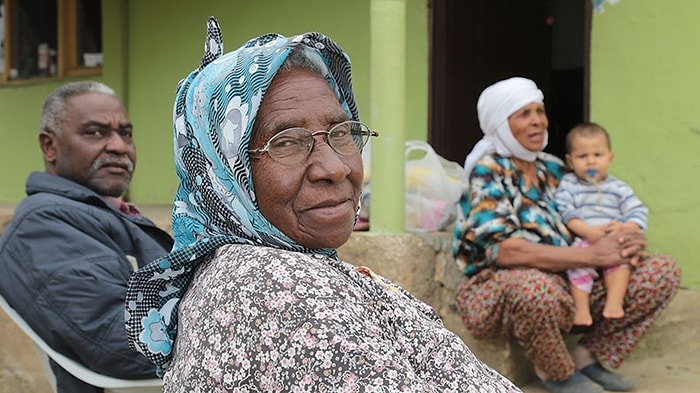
<point x="590" y="175"/>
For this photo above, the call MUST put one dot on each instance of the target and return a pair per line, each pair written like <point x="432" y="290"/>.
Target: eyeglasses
<point x="291" y="146"/>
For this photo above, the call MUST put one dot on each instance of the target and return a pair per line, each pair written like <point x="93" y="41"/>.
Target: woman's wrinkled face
<point x="528" y="125"/>
<point x="314" y="202"/>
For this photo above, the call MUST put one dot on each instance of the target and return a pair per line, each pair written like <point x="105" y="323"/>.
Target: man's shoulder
<point x="43" y="201"/>
<point x="47" y="183"/>
<point x="51" y="211"/>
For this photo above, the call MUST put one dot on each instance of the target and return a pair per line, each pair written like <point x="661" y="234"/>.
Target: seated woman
<point x="253" y="296"/>
<point x="512" y="244"/>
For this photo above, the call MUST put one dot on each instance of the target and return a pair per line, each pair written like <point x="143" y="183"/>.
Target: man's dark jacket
<point x="64" y="268"/>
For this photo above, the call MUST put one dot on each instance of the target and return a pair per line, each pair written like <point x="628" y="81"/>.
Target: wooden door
<point x="475" y="43"/>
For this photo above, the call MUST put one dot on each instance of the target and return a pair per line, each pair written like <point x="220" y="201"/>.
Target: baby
<point x="592" y="204"/>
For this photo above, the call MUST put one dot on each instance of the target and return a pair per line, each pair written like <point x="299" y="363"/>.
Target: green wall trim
<point x="388" y="103"/>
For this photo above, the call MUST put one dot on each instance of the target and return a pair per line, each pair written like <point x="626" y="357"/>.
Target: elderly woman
<point x="253" y="296"/>
<point x="513" y="246"/>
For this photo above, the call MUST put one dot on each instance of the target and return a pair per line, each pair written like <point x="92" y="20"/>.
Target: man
<point x="68" y="253"/>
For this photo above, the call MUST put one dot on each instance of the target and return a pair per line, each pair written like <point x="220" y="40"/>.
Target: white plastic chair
<point x="44" y="352"/>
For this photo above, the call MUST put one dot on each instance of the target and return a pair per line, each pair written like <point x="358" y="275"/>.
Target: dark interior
<point x="476" y="43"/>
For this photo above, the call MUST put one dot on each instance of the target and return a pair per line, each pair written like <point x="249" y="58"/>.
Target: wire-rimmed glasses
<point x="291" y="146"/>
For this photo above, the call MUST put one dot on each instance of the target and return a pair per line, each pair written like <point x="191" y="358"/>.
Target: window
<point x="49" y="38"/>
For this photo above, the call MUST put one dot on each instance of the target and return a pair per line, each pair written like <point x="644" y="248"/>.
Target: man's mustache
<point x="122" y="161"/>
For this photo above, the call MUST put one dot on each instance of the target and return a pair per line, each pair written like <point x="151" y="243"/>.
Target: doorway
<point x="476" y="43"/>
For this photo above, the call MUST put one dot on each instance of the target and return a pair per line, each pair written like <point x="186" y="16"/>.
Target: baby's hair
<point x="586" y="130"/>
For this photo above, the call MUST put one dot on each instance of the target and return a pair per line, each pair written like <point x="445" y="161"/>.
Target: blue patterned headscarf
<point x="215" y="109"/>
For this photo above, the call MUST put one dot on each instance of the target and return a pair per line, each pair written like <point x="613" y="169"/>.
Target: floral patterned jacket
<point x="499" y="204"/>
<point x="263" y="319"/>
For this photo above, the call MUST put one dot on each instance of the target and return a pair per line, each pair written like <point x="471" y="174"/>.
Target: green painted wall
<point x="644" y="90"/>
<point x="166" y="40"/>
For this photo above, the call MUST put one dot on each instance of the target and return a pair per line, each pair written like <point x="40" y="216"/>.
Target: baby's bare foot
<point x="583" y="318"/>
<point x="613" y="312"/>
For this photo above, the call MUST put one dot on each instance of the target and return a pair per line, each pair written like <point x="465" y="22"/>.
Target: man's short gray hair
<point x="55" y="104"/>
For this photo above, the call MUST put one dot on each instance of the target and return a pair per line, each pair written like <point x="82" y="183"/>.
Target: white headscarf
<point x="496" y="103"/>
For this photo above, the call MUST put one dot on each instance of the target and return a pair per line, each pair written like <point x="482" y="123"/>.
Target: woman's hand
<point x="624" y="246"/>
<point x="634" y="245"/>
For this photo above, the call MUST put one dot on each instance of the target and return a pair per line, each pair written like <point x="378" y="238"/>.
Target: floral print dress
<point x="260" y="319"/>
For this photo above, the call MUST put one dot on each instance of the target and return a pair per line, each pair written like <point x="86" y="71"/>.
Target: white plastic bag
<point x="433" y="188"/>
